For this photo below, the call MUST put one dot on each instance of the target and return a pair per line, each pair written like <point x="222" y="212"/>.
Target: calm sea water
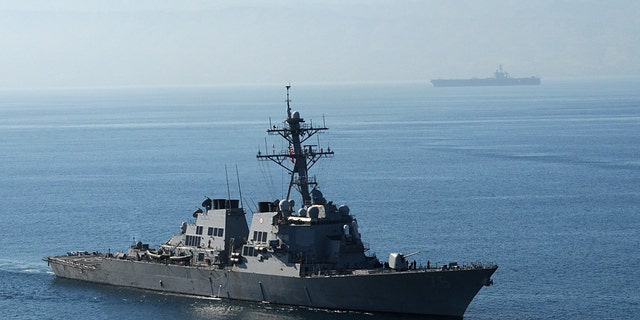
<point x="544" y="181"/>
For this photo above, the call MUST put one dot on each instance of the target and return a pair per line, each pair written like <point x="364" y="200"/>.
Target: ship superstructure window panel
<point x="259" y="236"/>
<point x="215" y="232"/>
<point x="199" y="229"/>
<point x="249" y="251"/>
<point x="192" y="241"/>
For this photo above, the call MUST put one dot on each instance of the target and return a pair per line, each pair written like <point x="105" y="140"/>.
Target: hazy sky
<point x="134" y="42"/>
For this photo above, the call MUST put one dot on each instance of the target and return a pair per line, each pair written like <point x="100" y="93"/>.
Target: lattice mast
<point x="301" y="156"/>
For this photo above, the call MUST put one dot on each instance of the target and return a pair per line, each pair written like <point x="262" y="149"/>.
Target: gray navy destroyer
<point x="501" y="78"/>
<point x="313" y="256"/>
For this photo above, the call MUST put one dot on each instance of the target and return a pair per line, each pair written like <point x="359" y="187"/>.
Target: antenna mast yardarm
<point x="303" y="157"/>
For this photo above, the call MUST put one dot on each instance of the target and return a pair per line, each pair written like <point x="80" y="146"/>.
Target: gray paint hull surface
<point x="423" y="291"/>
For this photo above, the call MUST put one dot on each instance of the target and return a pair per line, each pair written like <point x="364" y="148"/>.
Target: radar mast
<point x="301" y="156"/>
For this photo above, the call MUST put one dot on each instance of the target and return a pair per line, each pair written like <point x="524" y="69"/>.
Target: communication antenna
<point x="228" y="204"/>
<point x="239" y="189"/>
<point x="288" y="102"/>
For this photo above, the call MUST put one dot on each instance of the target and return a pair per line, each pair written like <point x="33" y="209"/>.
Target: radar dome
<point x="295" y="115"/>
<point x="314" y="212"/>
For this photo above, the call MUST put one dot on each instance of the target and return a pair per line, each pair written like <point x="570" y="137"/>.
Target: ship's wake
<point x="20" y="266"/>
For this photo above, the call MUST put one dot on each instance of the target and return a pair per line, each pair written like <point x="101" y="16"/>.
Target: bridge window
<point x="259" y="236"/>
<point x="192" y="241"/>
<point x="215" y="232"/>
<point x="249" y="251"/>
<point x="199" y="229"/>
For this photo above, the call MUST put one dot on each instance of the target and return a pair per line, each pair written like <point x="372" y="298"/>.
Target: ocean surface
<point x="542" y="180"/>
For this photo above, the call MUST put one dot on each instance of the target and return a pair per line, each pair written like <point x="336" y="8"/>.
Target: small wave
<point x="17" y="266"/>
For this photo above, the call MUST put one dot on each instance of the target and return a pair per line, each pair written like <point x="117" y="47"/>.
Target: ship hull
<point x="423" y="291"/>
<point x="485" y="82"/>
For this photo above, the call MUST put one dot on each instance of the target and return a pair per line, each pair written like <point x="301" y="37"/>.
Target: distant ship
<point x="501" y="78"/>
<point x="312" y="256"/>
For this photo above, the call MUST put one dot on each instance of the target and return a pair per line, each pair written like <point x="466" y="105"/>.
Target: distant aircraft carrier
<point x="501" y="78"/>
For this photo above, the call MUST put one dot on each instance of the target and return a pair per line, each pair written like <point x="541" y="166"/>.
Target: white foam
<point x="17" y="266"/>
